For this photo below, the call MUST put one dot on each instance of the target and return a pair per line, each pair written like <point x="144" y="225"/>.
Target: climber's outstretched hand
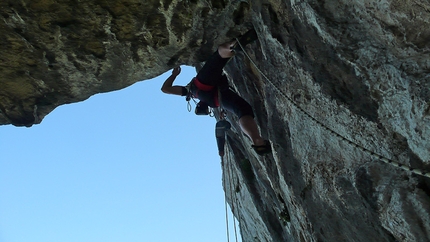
<point x="176" y="71"/>
<point x="168" y="86"/>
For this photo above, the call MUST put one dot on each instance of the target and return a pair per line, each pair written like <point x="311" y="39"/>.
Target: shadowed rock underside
<point x="359" y="68"/>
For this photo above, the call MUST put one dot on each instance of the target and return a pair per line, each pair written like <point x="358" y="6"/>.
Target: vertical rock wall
<point x="359" y="68"/>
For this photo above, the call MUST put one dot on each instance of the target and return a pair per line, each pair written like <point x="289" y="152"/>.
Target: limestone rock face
<point x="331" y="82"/>
<point x="55" y="52"/>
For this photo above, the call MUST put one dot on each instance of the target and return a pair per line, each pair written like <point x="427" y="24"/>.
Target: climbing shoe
<point x="263" y="149"/>
<point x="245" y="39"/>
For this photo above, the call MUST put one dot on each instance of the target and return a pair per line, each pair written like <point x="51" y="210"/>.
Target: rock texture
<point x="359" y="68"/>
<point x="60" y="51"/>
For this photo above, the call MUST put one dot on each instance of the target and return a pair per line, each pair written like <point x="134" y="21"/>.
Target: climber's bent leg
<point x="233" y="103"/>
<point x="250" y="128"/>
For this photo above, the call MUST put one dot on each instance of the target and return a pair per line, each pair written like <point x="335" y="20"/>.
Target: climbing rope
<point x="372" y="153"/>
<point x="228" y="176"/>
<point x="233" y="199"/>
<point x="225" y="203"/>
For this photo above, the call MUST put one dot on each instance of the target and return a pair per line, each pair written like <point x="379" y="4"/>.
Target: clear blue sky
<point x="131" y="165"/>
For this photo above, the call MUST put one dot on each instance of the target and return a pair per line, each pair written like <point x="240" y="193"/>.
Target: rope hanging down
<point x="221" y="127"/>
<point x="372" y="153"/>
<point x="225" y="202"/>
<point x="229" y="178"/>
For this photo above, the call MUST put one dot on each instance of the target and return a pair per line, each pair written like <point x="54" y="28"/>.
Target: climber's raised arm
<point x="168" y="84"/>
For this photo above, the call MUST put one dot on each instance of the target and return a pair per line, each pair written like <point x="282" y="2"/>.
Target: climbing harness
<point x="372" y="153"/>
<point x="202" y="108"/>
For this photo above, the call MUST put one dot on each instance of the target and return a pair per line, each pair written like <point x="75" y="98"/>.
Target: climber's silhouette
<point x="211" y="87"/>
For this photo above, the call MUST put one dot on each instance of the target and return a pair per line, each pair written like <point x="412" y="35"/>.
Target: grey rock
<point x="331" y="83"/>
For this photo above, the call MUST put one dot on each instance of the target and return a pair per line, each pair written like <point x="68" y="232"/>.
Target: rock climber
<point x="210" y="83"/>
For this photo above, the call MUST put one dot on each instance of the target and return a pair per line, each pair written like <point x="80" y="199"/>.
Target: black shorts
<point x="212" y="74"/>
<point x="234" y="103"/>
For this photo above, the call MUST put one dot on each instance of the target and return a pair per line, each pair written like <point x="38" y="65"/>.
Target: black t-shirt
<point x="205" y="96"/>
<point x="184" y="91"/>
